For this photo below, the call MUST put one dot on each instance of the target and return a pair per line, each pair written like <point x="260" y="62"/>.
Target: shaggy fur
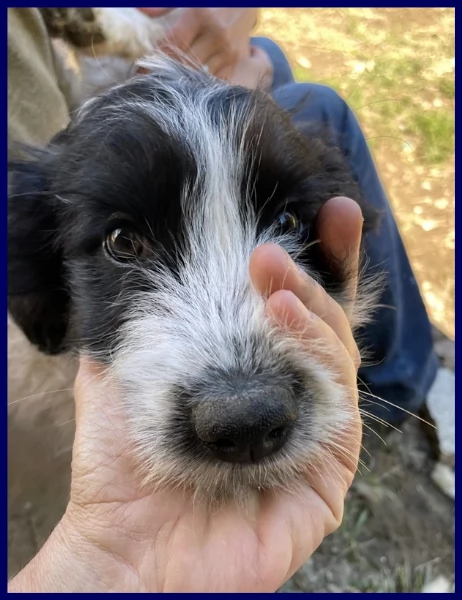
<point x="124" y="32"/>
<point x="192" y="175"/>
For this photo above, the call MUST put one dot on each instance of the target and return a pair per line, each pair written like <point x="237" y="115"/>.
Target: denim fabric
<point x="403" y="362"/>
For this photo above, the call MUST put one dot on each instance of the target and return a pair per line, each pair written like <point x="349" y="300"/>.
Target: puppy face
<point x="129" y="240"/>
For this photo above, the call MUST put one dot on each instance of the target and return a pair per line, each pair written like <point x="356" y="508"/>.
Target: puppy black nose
<point x="245" y="428"/>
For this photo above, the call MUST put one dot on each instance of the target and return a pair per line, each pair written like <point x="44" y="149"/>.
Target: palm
<point x="252" y="548"/>
<point x="161" y="541"/>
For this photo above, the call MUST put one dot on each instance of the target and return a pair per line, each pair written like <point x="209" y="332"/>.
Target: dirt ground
<point x="396" y="67"/>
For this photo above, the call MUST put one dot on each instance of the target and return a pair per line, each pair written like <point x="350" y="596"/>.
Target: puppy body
<point x="123" y="32"/>
<point x="96" y="47"/>
<point x="192" y="175"/>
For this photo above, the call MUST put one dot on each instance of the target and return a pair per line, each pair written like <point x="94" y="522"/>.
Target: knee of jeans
<point x="268" y="45"/>
<point x="325" y="99"/>
<point x="314" y="101"/>
<point x="282" y="71"/>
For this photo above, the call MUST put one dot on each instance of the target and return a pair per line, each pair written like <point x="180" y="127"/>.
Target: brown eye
<point x="288" y="222"/>
<point x="124" y="245"/>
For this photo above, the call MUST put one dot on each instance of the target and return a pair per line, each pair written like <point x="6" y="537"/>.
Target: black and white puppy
<point x="123" y="32"/>
<point x="129" y="240"/>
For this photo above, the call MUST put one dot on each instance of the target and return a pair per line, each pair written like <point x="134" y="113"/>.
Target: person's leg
<point x="40" y="399"/>
<point x="37" y="106"/>
<point x="282" y="72"/>
<point x="404" y="364"/>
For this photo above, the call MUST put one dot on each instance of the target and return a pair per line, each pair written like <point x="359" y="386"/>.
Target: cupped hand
<point x="254" y="71"/>
<point x="217" y="38"/>
<point x="118" y="536"/>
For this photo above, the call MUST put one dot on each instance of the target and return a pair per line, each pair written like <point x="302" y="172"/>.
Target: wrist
<point x="68" y="562"/>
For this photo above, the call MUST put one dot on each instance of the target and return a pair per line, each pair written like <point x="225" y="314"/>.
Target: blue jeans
<point x="400" y="339"/>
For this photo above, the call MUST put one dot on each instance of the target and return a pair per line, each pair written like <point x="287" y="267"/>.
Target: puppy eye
<point x="124" y="245"/>
<point x="287" y="222"/>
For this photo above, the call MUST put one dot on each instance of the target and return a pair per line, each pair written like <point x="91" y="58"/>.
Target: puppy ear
<point x="37" y="296"/>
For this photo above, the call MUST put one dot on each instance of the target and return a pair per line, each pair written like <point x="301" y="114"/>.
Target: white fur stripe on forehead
<point x="214" y="207"/>
<point x="168" y="69"/>
<point x="218" y="147"/>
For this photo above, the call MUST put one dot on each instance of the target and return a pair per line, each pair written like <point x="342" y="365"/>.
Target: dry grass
<point x="396" y="68"/>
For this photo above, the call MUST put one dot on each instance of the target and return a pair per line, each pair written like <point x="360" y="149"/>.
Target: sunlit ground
<point x="396" y="68"/>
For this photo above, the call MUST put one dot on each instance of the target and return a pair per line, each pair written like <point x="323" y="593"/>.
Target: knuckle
<point x="356" y="357"/>
<point x="225" y="36"/>
<point x="203" y="15"/>
<point x="316" y="289"/>
<point x="233" y="55"/>
<point x="332" y="308"/>
<point x="210" y="20"/>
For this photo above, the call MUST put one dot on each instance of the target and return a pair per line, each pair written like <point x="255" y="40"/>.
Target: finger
<point x="220" y="66"/>
<point x="206" y="51"/>
<point x="305" y="518"/>
<point x="100" y="417"/>
<point x="225" y="73"/>
<point x="259" y="69"/>
<point x="209" y="50"/>
<point x="271" y="269"/>
<point x="184" y="33"/>
<point x="314" y="333"/>
<point x="339" y="227"/>
<point x="226" y="59"/>
<point x="322" y="343"/>
<point x="88" y="385"/>
<point x="155" y="12"/>
<point x="299" y="522"/>
<point x="247" y="62"/>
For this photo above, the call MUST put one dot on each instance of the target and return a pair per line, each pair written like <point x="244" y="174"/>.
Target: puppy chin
<point x="167" y="459"/>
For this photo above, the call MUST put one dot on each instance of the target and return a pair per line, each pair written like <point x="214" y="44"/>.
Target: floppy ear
<point x="37" y="297"/>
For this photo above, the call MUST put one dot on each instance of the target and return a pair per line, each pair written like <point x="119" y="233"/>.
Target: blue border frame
<point x="3" y="234"/>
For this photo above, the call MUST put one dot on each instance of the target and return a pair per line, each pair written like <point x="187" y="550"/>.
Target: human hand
<point x="155" y="13"/>
<point x="217" y="38"/>
<point x="254" y="71"/>
<point x="118" y="536"/>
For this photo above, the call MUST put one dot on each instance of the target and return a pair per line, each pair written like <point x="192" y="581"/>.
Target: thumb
<point x="99" y="418"/>
<point x="339" y="228"/>
<point x="182" y="34"/>
<point x="91" y="393"/>
<point x="153" y="13"/>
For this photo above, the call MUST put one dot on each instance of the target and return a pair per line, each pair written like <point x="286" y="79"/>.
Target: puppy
<point x="96" y="47"/>
<point x="129" y="240"/>
<point x="123" y="32"/>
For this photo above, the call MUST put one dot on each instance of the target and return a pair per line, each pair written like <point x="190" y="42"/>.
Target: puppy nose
<point x="245" y="429"/>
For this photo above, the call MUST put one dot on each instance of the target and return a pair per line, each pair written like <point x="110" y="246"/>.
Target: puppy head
<point x="129" y="240"/>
